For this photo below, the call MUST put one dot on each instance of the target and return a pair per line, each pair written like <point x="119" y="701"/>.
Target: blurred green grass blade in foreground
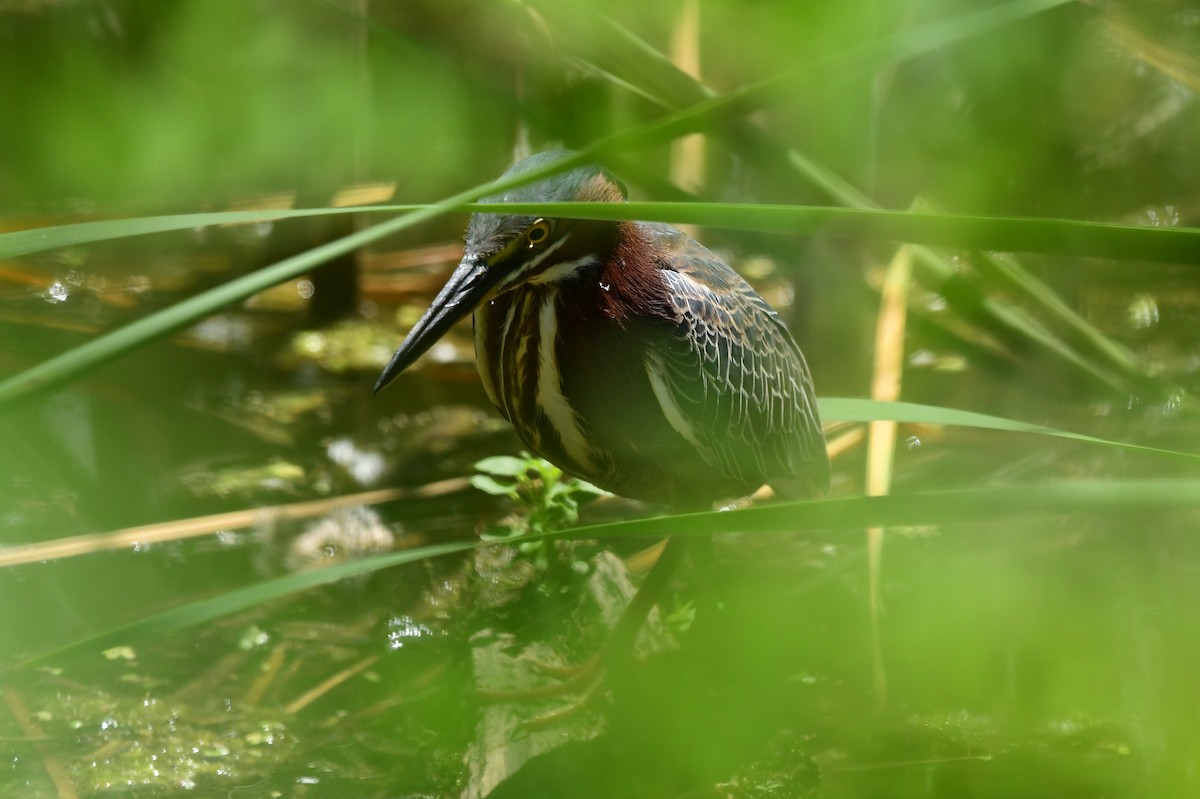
<point x="849" y="409"/>
<point x="845" y="515"/>
<point x="1177" y="245"/>
<point x="1025" y="234"/>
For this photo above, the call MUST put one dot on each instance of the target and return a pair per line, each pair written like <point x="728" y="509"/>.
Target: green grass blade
<point x="27" y="242"/>
<point x="956" y="231"/>
<point x="50" y="374"/>
<point x="867" y="410"/>
<point x="851" y="515"/>
<point x="70" y="365"/>
<point x="630" y="59"/>
<point x="958" y="506"/>
<point x="953" y="231"/>
<point x="240" y="599"/>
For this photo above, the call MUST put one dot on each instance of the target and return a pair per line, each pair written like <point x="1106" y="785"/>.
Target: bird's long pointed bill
<point x="459" y="297"/>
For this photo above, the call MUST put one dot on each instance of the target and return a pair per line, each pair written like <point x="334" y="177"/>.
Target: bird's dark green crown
<point x="488" y="234"/>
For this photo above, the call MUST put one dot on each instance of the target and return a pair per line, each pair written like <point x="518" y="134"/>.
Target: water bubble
<point x="922" y="358"/>
<point x="364" y="466"/>
<point x="402" y="629"/>
<point x="1142" y="311"/>
<point x="341" y="450"/>
<point x="312" y="343"/>
<point x="58" y="292"/>
<point x="443" y="352"/>
<point x="1162" y="216"/>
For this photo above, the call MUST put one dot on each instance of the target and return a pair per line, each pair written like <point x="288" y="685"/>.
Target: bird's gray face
<point x="505" y="250"/>
<point x="517" y="249"/>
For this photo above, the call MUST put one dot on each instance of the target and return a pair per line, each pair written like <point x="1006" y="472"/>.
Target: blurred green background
<point x="1043" y="655"/>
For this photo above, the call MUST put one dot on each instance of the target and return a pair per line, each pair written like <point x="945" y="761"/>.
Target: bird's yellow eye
<point x="538" y="232"/>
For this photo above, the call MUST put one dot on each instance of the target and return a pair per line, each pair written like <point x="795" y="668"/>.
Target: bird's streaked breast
<point x="517" y="346"/>
<point x="505" y="328"/>
<point x="550" y="398"/>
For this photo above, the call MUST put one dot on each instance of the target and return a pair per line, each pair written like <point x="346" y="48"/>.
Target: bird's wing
<point x="731" y="380"/>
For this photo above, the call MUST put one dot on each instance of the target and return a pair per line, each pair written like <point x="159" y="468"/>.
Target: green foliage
<point x="549" y="501"/>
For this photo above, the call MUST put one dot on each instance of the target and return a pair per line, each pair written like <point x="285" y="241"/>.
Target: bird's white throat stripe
<point x="564" y="270"/>
<point x="549" y="389"/>
<point x="521" y="273"/>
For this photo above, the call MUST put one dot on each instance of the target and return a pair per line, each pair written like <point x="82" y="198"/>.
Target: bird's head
<point x="504" y="251"/>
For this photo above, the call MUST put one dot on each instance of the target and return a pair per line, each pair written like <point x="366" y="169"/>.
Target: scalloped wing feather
<point x="733" y="381"/>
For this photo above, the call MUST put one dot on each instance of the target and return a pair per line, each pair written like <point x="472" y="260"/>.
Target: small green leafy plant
<point x="549" y="500"/>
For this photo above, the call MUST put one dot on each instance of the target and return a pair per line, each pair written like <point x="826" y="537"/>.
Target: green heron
<point x="629" y="355"/>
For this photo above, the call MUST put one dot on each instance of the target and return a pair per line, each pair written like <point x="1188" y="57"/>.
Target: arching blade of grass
<point x="885" y="50"/>
<point x="613" y="49"/>
<point x="850" y="515"/>
<point x="68" y="366"/>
